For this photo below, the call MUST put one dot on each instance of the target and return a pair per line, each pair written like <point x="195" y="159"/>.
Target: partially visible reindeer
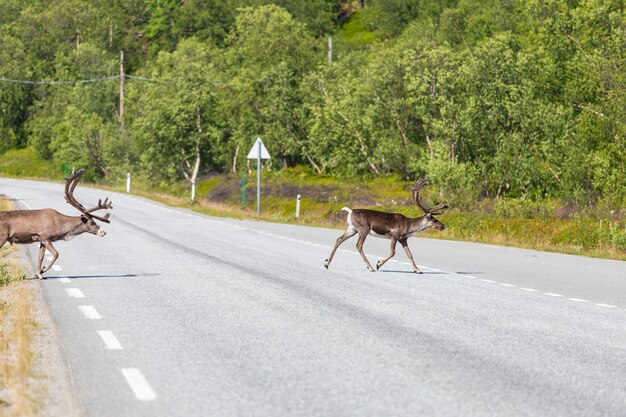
<point x="394" y="226"/>
<point x="48" y="225"/>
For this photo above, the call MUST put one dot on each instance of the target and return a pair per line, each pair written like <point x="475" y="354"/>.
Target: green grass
<point x="25" y="163"/>
<point x="511" y="222"/>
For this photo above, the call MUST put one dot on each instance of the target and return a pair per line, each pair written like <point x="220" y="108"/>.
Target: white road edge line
<point x="578" y="300"/>
<point x="605" y="305"/>
<point x="138" y="383"/>
<point x="551" y="294"/>
<point x="109" y="339"/>
<point x="74" y="292"/>
<point x="528" y="289"/>
<point x="89" y="312"/>
<point x="64" y="280"/>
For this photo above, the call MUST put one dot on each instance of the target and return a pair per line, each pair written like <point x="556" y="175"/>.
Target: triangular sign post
<point x="258" y="152"/>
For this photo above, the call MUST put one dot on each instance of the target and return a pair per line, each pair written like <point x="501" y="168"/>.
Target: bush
<point x="456" y="181"/>
<point x="525" y="208"/>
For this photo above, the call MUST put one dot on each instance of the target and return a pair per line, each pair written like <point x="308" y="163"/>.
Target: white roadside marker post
<point x="298" y="205"/>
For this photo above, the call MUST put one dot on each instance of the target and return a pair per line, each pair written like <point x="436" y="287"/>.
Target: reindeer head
<point x="429" y="213"/>
<point x="89" y="224"/>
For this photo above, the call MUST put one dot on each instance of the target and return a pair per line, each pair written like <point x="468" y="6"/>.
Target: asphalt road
<point x="179" y="314"/>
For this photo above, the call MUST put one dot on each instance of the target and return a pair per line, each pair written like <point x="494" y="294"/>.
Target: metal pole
<point x="298" y="205"/>
<point x="128" y="182"/>
<point x="258" y="182"/>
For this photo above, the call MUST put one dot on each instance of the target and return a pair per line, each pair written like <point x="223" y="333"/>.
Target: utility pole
<point x="122" y="91"/>
<point x="330" y="50"/>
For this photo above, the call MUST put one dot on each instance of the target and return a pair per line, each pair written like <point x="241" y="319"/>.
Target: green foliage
<point x="525" y="208"/>
<point x="499" y="99"/>
<point x="25" y="163"/>
<point x="14" y="98"/>
<point x="175" y="124"/>
<point x="457" y="182"/>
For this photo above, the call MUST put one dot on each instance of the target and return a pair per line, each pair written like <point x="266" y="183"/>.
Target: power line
<point x="93" y="80"/>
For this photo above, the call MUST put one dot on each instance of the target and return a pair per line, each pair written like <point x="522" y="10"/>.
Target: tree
<point x="269" y="53"/>
<point x="175" y="122"/>
<point x="14" y="97"/>
<point x="77" y="123"/>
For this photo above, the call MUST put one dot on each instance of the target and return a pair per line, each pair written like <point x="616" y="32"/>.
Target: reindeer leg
<point x="53" y="251"/>
<point x="42" y="252"/>
<point x="393" y="252"/>
<point x="346" y="235"/>
<point x="405" y="245"/>
<point x="359" y="247"/>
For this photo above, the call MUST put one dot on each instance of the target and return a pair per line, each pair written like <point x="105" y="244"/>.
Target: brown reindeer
<point x="48" y="225"/>
<point x="393" y="226"/>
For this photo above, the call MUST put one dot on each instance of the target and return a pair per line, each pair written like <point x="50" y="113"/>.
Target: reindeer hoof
<point x="39" y="276"/>
<point x="326" y="263"/>
<point x="371" y="269"/>
<point x="377" y="265"/>
<point x="417" y="271"/>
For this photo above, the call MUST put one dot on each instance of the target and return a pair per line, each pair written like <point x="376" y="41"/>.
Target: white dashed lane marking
<point x="89" y="312"/>
<point x="74" y="292"/>
<point x="109" y="339"/>
<point x="138" y="383"/>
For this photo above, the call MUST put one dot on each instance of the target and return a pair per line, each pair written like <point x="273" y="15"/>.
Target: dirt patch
<point x="566" y="211"/>
<point x="223" y="191"/>
<point x="320" y="193"/>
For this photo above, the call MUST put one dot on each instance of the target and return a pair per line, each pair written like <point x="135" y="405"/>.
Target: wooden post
<point x="122" y="91"/>
<point x="330" y="50"/>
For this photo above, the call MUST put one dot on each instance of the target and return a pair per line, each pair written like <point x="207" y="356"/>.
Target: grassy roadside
<point x="18" y="328"/>
<point x="549" y="226"/>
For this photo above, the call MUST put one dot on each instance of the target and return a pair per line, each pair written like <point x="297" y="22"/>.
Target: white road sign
<point x="254" y="152"/>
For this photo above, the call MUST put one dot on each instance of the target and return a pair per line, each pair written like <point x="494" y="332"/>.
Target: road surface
<point x="173" y="313"/>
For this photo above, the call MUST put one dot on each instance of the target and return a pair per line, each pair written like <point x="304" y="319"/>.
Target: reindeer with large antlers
<point x="48" y="225"/>
<point x="393" y="226"/>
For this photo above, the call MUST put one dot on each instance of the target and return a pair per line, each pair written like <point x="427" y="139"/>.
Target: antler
<point x="437" y="209"/>
<point x="70" y="185"/>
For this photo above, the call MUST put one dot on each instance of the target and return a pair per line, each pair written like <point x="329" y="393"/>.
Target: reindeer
<point x="393" y="226"/>
<point x="48" y="225"/>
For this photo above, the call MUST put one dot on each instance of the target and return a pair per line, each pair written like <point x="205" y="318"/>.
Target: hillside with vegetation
<point x="515" y="108"/>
